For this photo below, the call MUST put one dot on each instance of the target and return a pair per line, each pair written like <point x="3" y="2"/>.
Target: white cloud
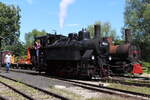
<point x="63" y="7"/>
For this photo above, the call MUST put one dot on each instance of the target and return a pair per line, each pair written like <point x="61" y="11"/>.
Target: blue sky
<point x="44" y="14"/>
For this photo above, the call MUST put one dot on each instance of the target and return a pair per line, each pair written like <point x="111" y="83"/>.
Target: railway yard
<point x="21" y="84"/>
<point x="77" y="59"/>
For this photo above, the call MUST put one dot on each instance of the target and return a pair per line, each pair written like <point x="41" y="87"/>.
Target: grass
<point x="146" y="66"/>
<point x="139" y="81"/>
<point x="144" y="90"/>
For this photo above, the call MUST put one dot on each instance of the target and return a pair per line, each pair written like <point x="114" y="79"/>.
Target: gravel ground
<point x="36" y="80"/>
<point x="37" y="95"/>
<point x="66" y="88"/>
<point x="146" y="75"/>
<point x="10" y="94"/>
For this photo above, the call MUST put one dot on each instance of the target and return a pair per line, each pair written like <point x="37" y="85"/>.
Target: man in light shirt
<point x="8" y="61"/>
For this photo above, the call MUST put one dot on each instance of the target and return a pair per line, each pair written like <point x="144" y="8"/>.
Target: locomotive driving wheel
<point x="104" y="70"/>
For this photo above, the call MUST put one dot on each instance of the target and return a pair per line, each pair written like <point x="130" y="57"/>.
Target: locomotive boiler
<point x="79" y="55"/>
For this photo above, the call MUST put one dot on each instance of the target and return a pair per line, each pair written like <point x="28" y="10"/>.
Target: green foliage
<point x="146" y="66"/>
<point x="9" y="22"/>
<point x="118" y="41"/>
<point x="18" y="49"/>
<point x="29" y="37"/>
<point x="10" y="29"/>
<point x="137" y="18"/>
<point x="106" y="30"/>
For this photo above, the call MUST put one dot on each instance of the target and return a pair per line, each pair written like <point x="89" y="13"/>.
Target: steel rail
<point x="142" y="77"/>
<point x="3" y="98"/>
<point x="125" y="83"/>
<point x="109" y="90"/>
<point x="16" y="90"/>
<point x="101" y="89"/>
<point x="37" y="88"/>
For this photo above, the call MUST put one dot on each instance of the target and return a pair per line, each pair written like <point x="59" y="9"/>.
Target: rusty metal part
<point x="109" y="39"/>
<point x="119" y="49"/>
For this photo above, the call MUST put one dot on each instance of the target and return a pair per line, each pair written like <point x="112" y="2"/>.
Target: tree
<point x="137" y="18"/>
<point x="106" y="30"/>
<point x="18" y="49"/>
<point x="10" y="29"/>
<point x="29" y="37"/>
<point x="9" y="22"/>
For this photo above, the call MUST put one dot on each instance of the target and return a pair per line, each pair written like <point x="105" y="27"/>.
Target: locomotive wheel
<point x="104" y="71"/>
<point x="128" y="69"/>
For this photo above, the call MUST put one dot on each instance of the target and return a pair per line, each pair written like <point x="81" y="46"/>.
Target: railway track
<point x="41" y="92"/>
<point x="127" y="82"/>
<point x="17" y="91"/>
<point x="113" y="91"/>
<point x="132" y="77"/>
<point x="3" y="98"/>
<point x="108" y="90"/>
<point x="122" y="80"/>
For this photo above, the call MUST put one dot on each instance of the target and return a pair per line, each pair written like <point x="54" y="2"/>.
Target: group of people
<point x="8" y="56"/>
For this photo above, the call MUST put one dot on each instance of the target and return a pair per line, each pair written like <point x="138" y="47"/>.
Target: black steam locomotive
<point x="79" y="55"/>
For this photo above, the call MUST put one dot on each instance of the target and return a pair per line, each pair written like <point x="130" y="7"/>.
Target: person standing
<point x="8" y="61"/>
<point x="37" y="49"/>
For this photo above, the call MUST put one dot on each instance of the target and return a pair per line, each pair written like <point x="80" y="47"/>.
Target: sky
<point x="67" y="16"/>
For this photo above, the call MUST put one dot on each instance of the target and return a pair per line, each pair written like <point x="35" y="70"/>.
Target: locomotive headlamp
<point x="104" y="43"/>
<point x="93" y="57"/>
<point x="110" y="58"/>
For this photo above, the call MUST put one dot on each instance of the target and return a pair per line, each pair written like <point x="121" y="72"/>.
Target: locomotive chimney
<point x="97" y="30"/>
<point x="128" y="38"/>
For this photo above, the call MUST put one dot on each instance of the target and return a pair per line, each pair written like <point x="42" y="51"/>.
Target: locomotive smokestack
<point x="97" y="30"/>
<point x="128" y="38"/>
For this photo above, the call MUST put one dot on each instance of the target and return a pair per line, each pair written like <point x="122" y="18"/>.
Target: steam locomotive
<point x="79" y="55"/>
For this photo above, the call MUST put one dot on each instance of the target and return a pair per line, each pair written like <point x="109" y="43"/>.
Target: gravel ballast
<point x="60" y="86"/>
